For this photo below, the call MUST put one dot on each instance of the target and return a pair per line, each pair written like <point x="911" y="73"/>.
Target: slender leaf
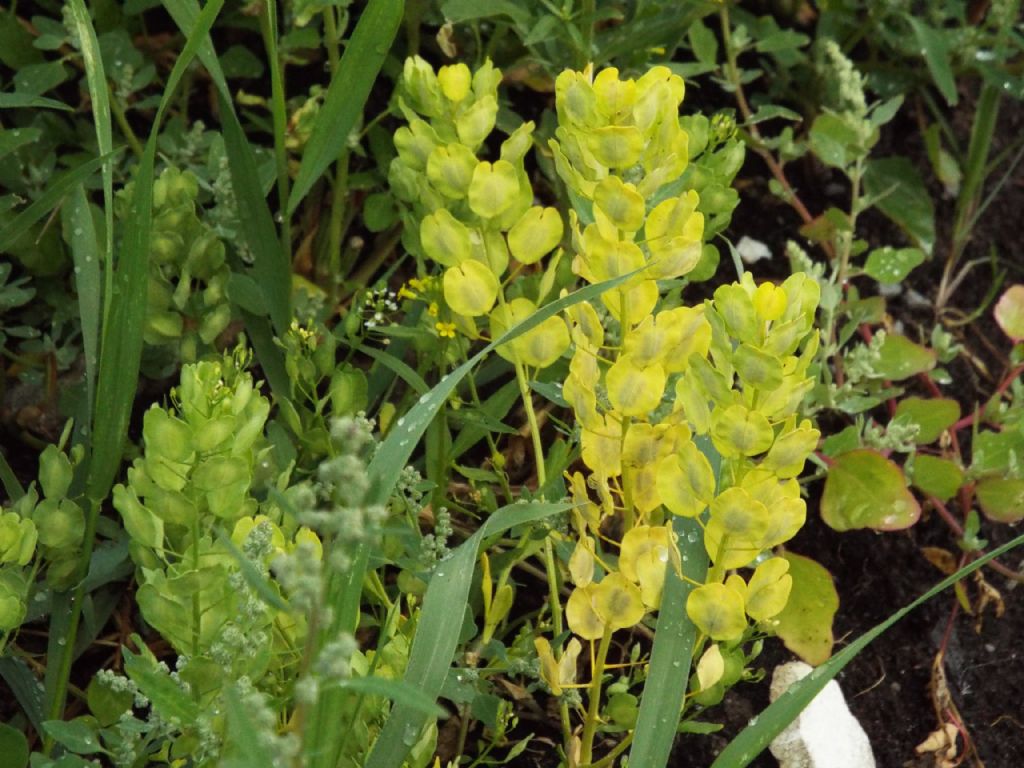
<point x="396" y="366"/>
<point x="79" y="225"/>
<point x="348" y="91"/>
<point x="56" y="189"/>
<point x="671" y="655"/>
<point x="437" y="632"/>
<point x="28" y="101"/>
<point x="12" y="487"/>
<point x="245" y="742"/>
<point x="935" y="50"/>
<point x="122" y="334"/>
<point x="753" y="739"/>
<point x="271" y="269"/>
<point x="99" y="96"/>
<point x="674" y="641"/>
<point x="25" y="687"/>
<point x="165" y="694"/>
<point x="396" y="690"/>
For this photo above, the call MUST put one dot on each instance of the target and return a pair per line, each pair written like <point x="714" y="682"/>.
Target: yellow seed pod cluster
<point x="729" y="375"/>
<point x="618" y="143"/>
<point x="473" y="216"/>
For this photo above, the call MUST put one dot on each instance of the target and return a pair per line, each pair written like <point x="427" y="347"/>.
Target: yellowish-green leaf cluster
<point x="654" y="394"/>
<point x="474" y="217"/>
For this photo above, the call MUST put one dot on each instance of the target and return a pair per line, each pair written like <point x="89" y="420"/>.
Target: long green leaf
<point x="99" y="95"/>
<point x="117" y="377"/>
<point x="245" y="742"/>
<point x="348" y="91"/>
<point x="396" y="690"/>
<point x="753" y="739"/>
<point x="437" y="633"/>
<point x="671" y="655"/>
<point x="674" y="640"/>
<point x="271" y="269"/>
<point x="78" y="222"/>
<point x="28" y="101"/>
<point x="121" y="352"/>
<point x="56" y="189"/>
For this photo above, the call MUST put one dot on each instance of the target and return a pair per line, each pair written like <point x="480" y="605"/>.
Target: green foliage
<point x="309" y="583"/>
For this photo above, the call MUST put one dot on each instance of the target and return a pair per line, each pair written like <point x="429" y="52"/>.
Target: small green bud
<point x="54" y="472"/>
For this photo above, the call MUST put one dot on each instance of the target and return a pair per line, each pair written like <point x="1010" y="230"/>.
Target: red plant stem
<point x="954" y="525"/>
<point x="1004" y="385"/>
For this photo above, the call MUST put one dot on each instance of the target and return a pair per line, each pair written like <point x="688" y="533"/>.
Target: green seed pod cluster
<point x="196" y="475"/>
<point x="187" y="304"/>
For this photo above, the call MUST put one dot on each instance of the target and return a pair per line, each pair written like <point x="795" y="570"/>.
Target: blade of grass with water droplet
<point x="56" y="189"/>
<point x="438" y="628"/>
<point x="753" y="739"/>
<point x="271" y="269"/>
<point x="674" y="640"/>
<point x="79" y="225"/>
<point x="346" y="96"/>
<point x="99" y="96"/>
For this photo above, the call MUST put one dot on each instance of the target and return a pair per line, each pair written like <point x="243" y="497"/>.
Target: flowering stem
<point x="531" y="418"/>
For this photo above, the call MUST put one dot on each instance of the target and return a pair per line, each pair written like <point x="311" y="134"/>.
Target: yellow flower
<point x="433" y="309"/>
<point x="445" y="330"/>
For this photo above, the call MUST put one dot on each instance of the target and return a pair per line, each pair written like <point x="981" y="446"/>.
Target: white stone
<point x="752" y="251"/>
<point x="826" y="734"/>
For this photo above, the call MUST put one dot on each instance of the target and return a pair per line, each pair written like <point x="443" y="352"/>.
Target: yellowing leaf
<point x="535" y="234"/>
<point x="1009" y="312"/>
<point x="493" y="188"/>
<point x="601" y="448"/>
<point x="580" y="613"/>
<point x="634" y="391"/>
<point x="805" y="624"/>
<point x="864" y="489"/>
<point x="450" y="170"/>
<point x="538" y="347"/>
<point x="739" y="431"/>
<point x="674" y="230"/>
<point x="444" y="238"/>
<point x="711" y="667"/>
<point x="620" y="202"/>
<point x="645" y="553"/>
<point x="618" y="602"/>
<point x="686" y="481"/>
<point x="640" y="299"/>
<point x="739" y="514"/>
<point x="470" y="288"/>
<point x="581" y="563"/>
<point x="768" y="589"/>
<point x="791" y="449"/>
<point x="616" y="146"/>
<point x="717" y="611"/>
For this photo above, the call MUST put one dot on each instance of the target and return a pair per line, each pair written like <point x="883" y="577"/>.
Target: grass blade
<point x="99" y="95"/>
<point x="28" y="101"/>
<point x="117" y="377"/>
<point x="46" y="202"/>
<point x="671" y="655"/>
<point x="753" y="739"/>
<point x="78" y="223"/>
<point x="437" y="633"/>
<point x="674" y="641"/>
<point x="271" y="269"/>
<point x="346" y="96"/>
